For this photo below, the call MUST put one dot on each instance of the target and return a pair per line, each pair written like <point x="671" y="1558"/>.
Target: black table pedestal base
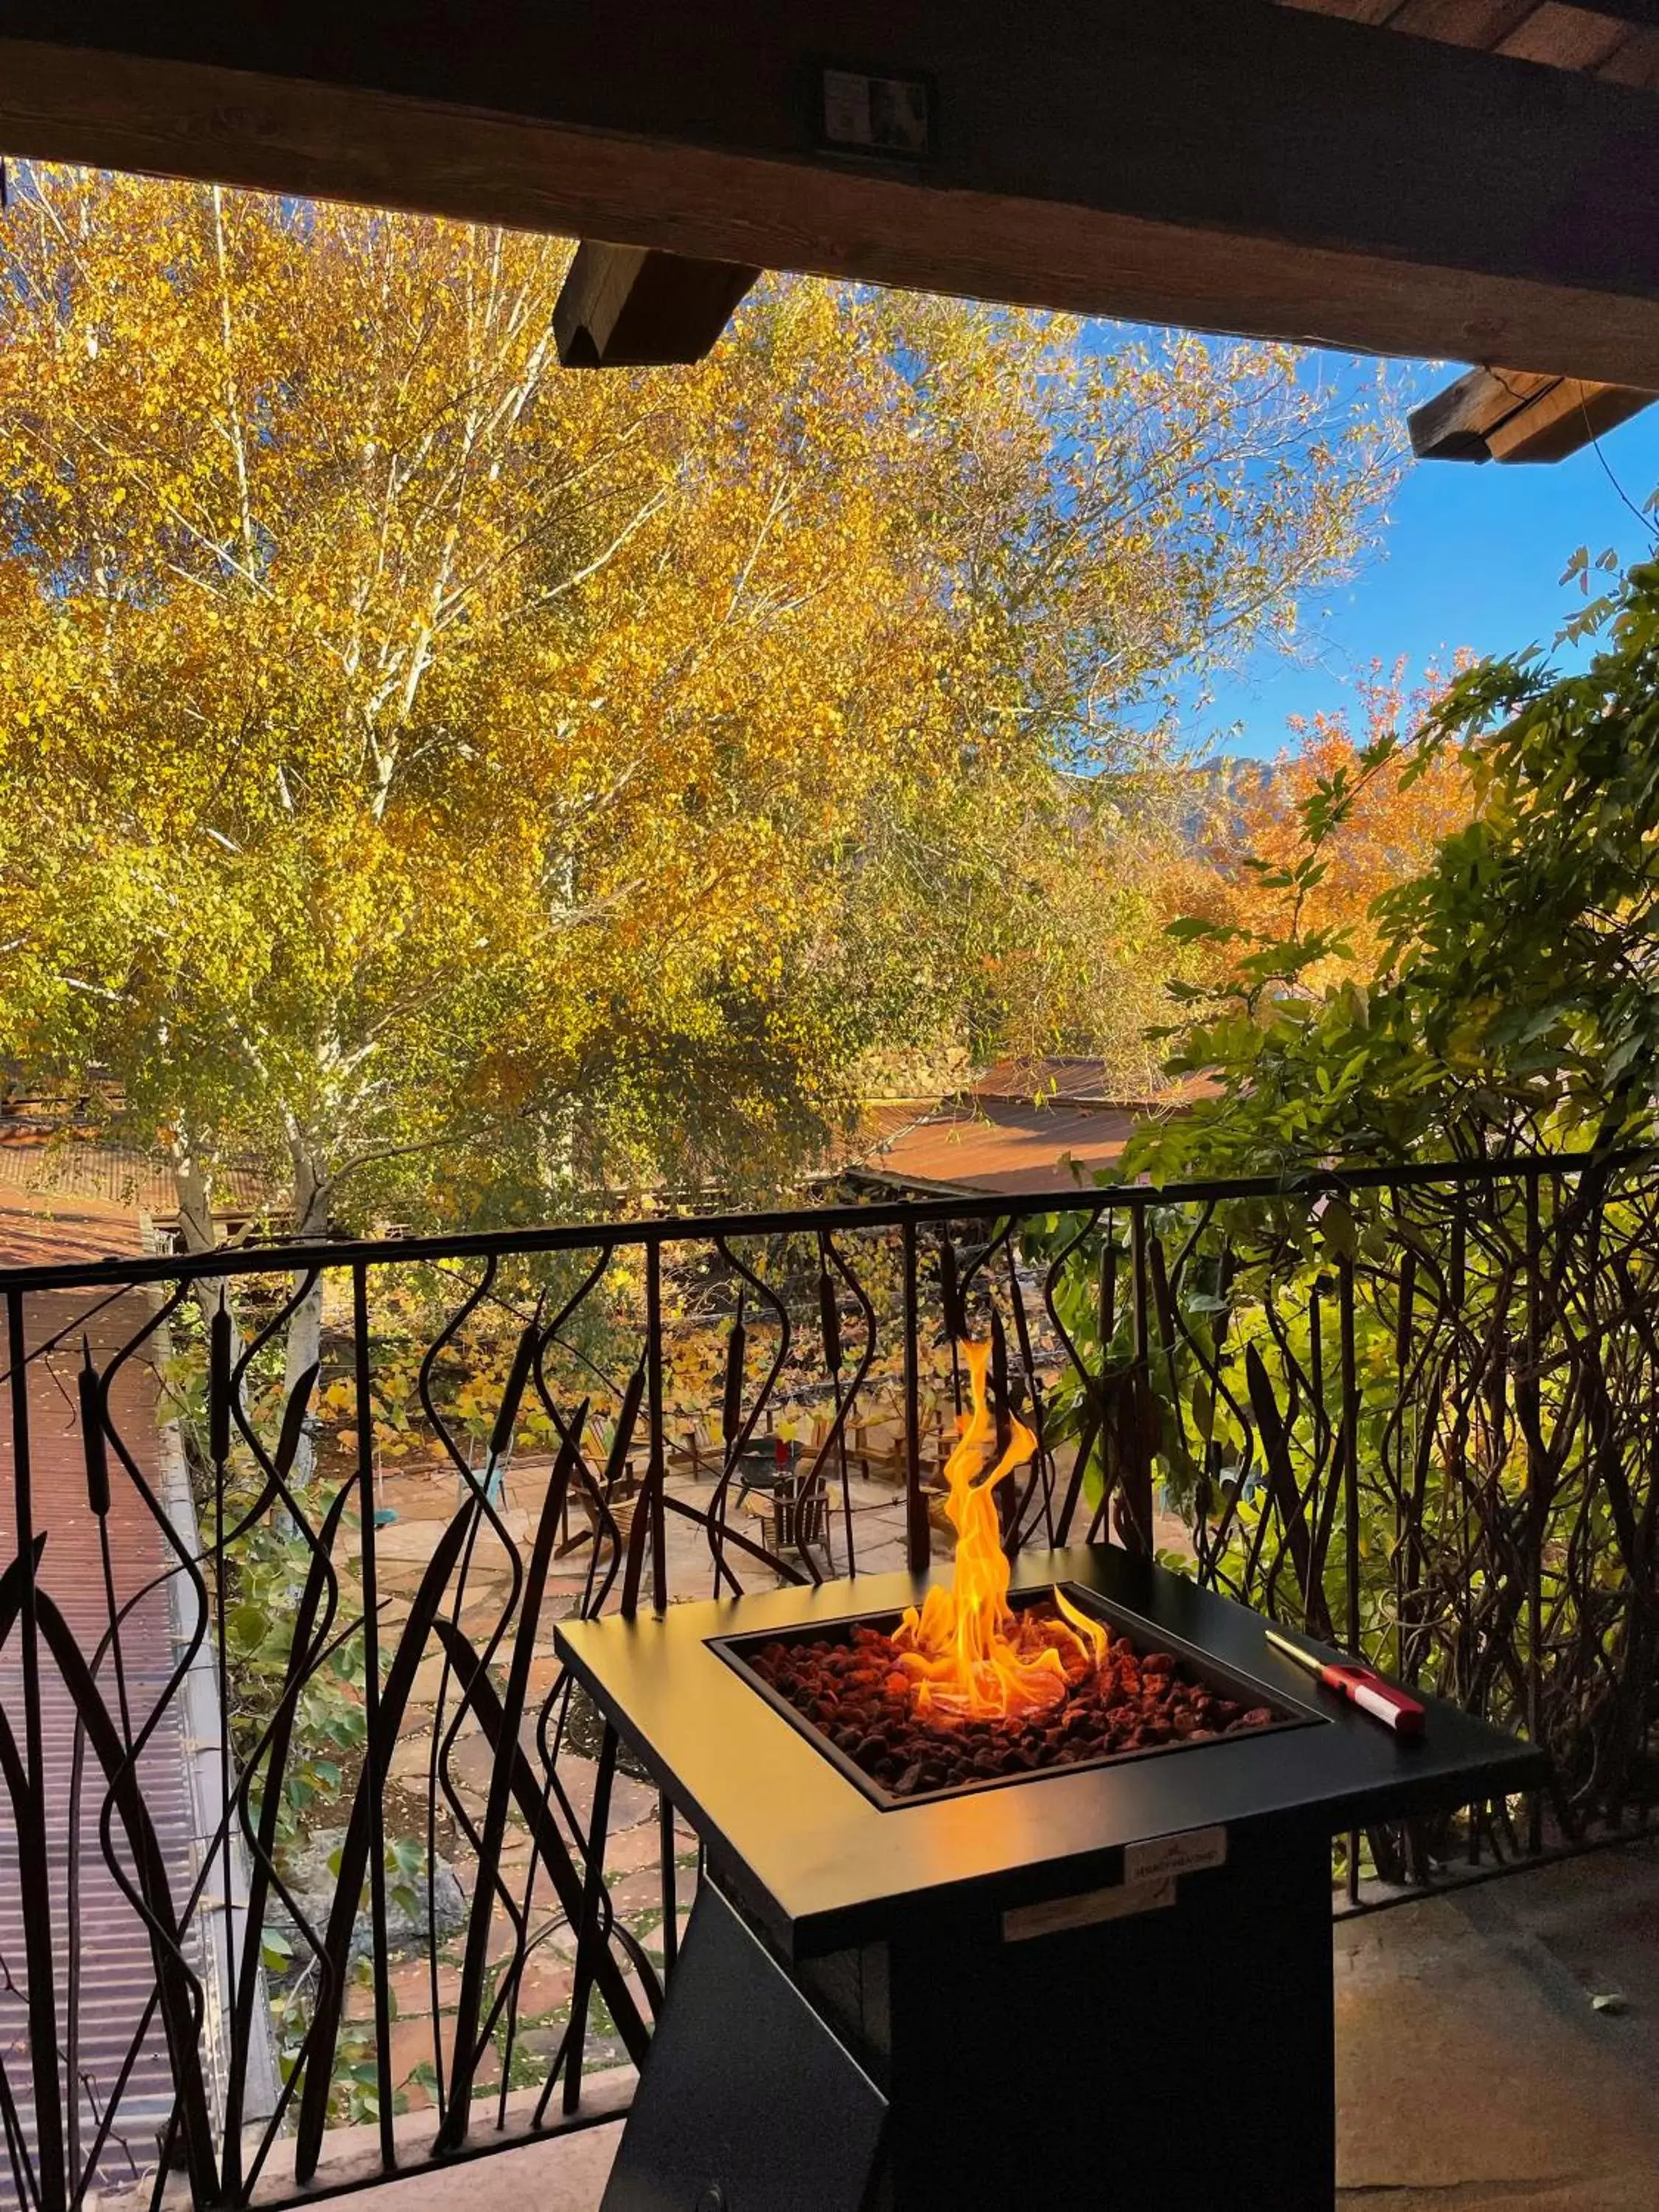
<point x="1177" y="2056"/>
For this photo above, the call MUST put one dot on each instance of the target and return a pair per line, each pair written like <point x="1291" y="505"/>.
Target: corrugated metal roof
<point x="37" y="1159"/>
<point x="40" y="1228"/>
<point x="1004" y="1146"/>
<point x="1078" y="1080"/>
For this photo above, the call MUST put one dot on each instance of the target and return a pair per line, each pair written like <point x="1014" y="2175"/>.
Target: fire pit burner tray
<point x="1196" y="1664"/>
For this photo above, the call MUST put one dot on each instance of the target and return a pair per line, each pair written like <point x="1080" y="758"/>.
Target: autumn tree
<point x="1510" y="1013"/>
<point x="1510" y="1005"/>
<point x="457" y="783"/>
<point x="1382" y="814"/>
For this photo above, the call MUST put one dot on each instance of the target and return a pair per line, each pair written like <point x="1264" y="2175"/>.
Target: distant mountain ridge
<point x="1222" y="787"/>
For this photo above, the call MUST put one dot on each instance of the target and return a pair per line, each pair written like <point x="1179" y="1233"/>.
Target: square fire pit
<point x="1097" y="1977"/>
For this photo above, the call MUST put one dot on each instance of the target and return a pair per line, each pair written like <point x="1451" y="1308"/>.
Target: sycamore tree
<point x="458" y="784"/>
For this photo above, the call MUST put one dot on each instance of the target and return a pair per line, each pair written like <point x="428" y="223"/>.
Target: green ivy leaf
<point x="247" y="1627"/>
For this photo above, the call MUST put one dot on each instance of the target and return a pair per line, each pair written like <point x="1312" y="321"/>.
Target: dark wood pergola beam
<point x="1623" y="11"/>
<point x="1220" y="163"/>
<point x="1507" y="415"/>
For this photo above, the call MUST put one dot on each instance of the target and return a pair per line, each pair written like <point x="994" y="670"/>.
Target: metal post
<point x="1535" y="1511"/>
<point x="918" y="1543"/>
<point x="671" y="1928"/>
<point x="220" y="1386"/>
<point x="34" y="1879"/>
<point x="589" y="1936"/>
<point x="1138" y="1486"/>
<point x="656" y="1465"/>
<point x="373" y="1763"/>
<point x="656" y="1472"/>
<point x="1350" y="1449"/>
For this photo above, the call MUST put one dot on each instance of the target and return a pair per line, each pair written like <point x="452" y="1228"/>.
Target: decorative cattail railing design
<point x="303" y="1827"/>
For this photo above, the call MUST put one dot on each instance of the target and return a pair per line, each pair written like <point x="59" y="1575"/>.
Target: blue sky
<point x="1471" y="556"/>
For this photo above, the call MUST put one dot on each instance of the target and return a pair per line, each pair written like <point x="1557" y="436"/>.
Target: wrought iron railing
<point x="313" y="1861"/>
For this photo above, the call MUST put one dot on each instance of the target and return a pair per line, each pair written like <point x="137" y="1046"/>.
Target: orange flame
<point x="970" y="1654"/>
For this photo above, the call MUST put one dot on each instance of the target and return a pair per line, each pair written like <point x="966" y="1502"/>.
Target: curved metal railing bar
<point x="737" y="1434"/>
<point x="314" y="1621"/>
<point x="182" y="2000"/>
<point x="1091" y="1387"/>
<point x="832" y="1262"/>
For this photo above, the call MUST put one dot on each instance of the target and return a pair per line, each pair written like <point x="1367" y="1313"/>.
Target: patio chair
<point x="621" y="1500"/>
<point x="693" y="1458"/>
<point x="796" y="1518"/>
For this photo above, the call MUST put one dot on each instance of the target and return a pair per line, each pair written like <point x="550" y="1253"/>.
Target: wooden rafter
<point x="1506" y="415"/>
<point x="1626" y="11"/>
<point x="625" y="307"/>
<point x="1222" y="163"/>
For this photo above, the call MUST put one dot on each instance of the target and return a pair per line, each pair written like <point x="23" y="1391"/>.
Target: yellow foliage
<point x="458" y="783"/>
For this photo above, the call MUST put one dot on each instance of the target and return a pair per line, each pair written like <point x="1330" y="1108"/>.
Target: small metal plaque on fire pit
<point x="844" y="1685"/>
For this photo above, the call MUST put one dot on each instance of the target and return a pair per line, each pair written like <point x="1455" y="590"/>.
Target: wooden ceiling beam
<point x="1626" y="11"/>
<point x="1506" y="415"/>
<point x="1224" y="164"/>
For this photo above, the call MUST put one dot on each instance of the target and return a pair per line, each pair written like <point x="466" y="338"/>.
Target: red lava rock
<point x="853" y="1690"/>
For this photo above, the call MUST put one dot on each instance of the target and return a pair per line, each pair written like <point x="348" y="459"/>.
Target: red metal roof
<point x="999" y="1146"/>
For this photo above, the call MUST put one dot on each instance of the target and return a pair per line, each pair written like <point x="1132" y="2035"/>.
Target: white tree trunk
<point x="192" y="1182"/>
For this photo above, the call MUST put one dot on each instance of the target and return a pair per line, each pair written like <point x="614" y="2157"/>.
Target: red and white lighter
<point x="1355" y="1682"/>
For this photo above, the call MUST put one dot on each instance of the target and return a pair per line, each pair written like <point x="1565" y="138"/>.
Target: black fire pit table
<point x="1106" y="1983"/>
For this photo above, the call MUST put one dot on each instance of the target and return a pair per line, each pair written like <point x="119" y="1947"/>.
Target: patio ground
<point x="1476" y="2072"/>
